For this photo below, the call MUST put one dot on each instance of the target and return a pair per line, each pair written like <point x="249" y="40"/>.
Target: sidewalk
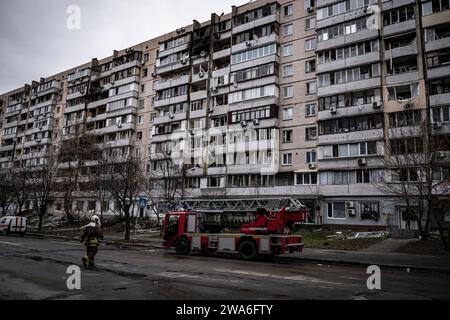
<point x="387" y="260"/>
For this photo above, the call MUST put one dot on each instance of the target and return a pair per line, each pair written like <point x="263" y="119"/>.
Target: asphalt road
<point x="33" y="268"/>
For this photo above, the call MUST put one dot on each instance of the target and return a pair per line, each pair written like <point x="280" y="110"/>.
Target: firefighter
<point x="91" y="237"/>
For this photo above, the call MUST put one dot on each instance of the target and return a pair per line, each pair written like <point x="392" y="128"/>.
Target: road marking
<point x="274" y="276"/>
<point x="177" y="275"/>
<point x="11" y="243"/>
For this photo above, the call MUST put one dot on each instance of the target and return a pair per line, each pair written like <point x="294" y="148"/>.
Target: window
<point x="288" y="10"/>
<point x="288" y="70"/>
<point x="287" y="113"/>
<point x="139" y="135"/>
<point x="310" y="44"/>
<point x="145" y="72"/>
<point x="288" y="30"/>
<point x="311" y="133"/>
<point x="336" y="210"/>
<point x="287" y="50"/>
<point x="310" y="23"/>
<point x="310" y="66"/>
<point x="287" y="136"/>
<point x="141" y="103"/>
<point x="253" y="53"/>
<point x="311" y="87"/>
<point x="140" y="119"/>
<point x="369" y="210"/>
<point x="142" y="88"/>
<point x="288" y="92"/>
<point x="287" y="159"/>
<point x="311" y="156"/>
<point x="310" y="109"/>
<point x="306" y="178"/>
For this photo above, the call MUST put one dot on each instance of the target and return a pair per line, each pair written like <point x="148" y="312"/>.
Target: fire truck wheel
<point x="182" y="246"/>
<point x="247" y="250"/>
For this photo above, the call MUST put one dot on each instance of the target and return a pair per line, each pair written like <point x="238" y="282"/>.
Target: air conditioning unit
<point x="377" y="104"/>
<point x="171" y="116"/>
<point x="183" y="61"/>
<point x="362" y="162"/>
<point x="243" y="123"/>
<point x="310" y="9"/>
<point x="333" y="109"/>
<point x="312" y="166"/>
<point x="210" y="109"/>
<point x="351" y="212"/>
<point x="256" y="122"/>
<point x="350" y="204"/>
<point x="213" y="89"/>
<point x="437" y="125"/>
<point x="248" y="43"/>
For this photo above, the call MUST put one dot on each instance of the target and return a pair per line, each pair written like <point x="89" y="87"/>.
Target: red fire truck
<point x="268" y="233"/>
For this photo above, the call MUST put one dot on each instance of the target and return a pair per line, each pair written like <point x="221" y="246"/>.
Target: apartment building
<point x="287" y="98"/>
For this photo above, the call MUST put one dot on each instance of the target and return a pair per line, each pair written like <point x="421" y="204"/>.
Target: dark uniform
<point x="91" y="237"/>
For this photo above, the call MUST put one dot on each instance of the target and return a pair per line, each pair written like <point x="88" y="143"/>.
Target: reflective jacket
<point x="92" y="235"/>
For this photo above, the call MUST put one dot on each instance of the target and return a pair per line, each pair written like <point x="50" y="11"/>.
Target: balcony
<point x="75" y="108"/>
<point x="256" y="23"/>
<point x="404" y="77"/>
<point x="115" y="128"/>
<point x="198" y="114"/>
<point x="351" y="162"/>
<point x="170" y="117"/>
<point x="349" y="111"/>
<point x="199" y="77"/>
<point x="438" y="72"/>
<point x="408" y="50"/>
<point x="401" y="27"/>
<point x="183" y="47"/>
<point x="221" y="54"/>
<point x="341" y="18"/>
<point x="44" y="104"/>
<point x="126" y="95"/>
<point x="8" y="147"/>
<point x="121" y="82"/>
<point x="220" y="72"/>
<point x="437" y="44"/>
<point x="349" y="86"/>
<point x="179" y="65"/>
<point x="55" y="87"/>
<point x="255" y="43"/>
<point x="436" y="19"/>
<point x="349" y="62"/>
<point x="348" y="39"/>
<point x="124" y="66"/>
<point x="118" y="143"/>
<point x="170" y="101"/>
<point x="198" y="95"/>
<point x="75" y="95"/>
<point x="375" y="134"/>
<point x="159" y="85"/>
<point x="36" y="142"/>
<point x="405" y="132"/>
<point x="439" y="99"/>
<point x="256" y="62"/>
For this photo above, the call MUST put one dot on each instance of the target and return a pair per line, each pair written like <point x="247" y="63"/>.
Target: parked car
<point x="13" y="225"/>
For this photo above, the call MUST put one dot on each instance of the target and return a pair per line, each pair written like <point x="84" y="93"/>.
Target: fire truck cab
<point x="267" y="234"/>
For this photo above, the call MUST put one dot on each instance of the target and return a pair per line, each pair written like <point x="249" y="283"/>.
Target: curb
<point x="366" y="264"/>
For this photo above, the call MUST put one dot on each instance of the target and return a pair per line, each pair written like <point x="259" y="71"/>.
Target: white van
<point x="11" y="225"/>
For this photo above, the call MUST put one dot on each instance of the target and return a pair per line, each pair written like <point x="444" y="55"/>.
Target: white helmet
<point x="95" y="219"/>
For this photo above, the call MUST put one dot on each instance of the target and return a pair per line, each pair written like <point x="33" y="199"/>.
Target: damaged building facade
<point x="277" y="99"/>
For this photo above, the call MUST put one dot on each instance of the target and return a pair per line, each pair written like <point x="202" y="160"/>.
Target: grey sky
<point x="35" y="42"/>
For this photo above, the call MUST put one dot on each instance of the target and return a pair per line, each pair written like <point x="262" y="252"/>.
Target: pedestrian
<point x="92" y="234"/>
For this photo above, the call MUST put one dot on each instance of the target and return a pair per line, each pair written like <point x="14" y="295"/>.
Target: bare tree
<point x="414" y="155"/>
<point x="19" y="188"/>
<point x="122" y="177"/>
<point x="6" y="190"/>
<point x="73" y="155"/>
<point x="42" y="182"/>
<point x="164" y="185"/>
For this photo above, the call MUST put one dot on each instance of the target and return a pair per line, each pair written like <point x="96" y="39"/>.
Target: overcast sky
<point x="35" y="40"/>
